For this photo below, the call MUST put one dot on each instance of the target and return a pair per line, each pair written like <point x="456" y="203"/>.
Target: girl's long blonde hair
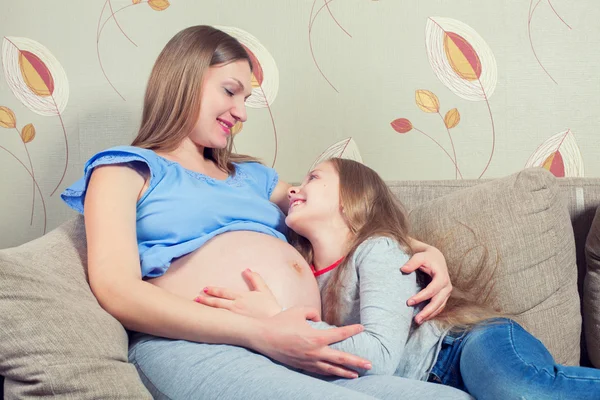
<point x="172" y="99"/>
<point x="370" y="209"/>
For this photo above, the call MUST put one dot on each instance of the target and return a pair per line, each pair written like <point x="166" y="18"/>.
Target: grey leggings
<point x="182" y="370"/>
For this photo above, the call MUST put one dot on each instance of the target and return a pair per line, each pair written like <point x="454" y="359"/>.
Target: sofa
<point x="528" y="244"/>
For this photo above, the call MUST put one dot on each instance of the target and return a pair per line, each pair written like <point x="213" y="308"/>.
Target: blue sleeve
<point x="264" y="177"/>
<point x="383" y="292"/>
<point x="74" y="195"/>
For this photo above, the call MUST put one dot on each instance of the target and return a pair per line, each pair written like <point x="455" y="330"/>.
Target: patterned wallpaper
<point x="418" y="90"/>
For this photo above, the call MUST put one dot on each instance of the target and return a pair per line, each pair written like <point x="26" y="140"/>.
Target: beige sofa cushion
<point x="591" y="292"/>
<point x="519" y="230"/>
<point x="54" y="337"/>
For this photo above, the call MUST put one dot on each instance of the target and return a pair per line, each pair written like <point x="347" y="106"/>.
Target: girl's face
<point x="315" y="204"/>
<point x="225" y="89"/>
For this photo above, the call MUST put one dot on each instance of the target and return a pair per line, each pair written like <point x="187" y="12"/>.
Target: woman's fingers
<point x="220" y="292"/>
<point x="418" y="260"/>
<point x="328" y="369"/>
<point x="214" y="302"/>
<point x="435" y="306"/>
<point x="335" y="335"/>
<point x="256" y="281"/>
<point x="336" y="357"/>
<point x="425" y="294"/>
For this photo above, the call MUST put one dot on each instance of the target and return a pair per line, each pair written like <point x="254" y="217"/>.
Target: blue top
<point x="182" y="209"/>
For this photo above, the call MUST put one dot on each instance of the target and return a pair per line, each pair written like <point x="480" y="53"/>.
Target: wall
<point x="425" y="90"/>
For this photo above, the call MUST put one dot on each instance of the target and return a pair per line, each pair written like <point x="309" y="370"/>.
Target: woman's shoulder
<point x="123" y="154"/>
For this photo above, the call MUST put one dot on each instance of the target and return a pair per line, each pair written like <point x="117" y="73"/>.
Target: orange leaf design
<point x="427" y="101"/>
<point x="28" y="133"/>
<point x="462" y="56"/>
<point x="137" y="1"/>
<point x="555" y="164"/>
<point x="237" y="128"/>
<point x="401" y="125"/>
<point x="159" y="5"/>
<point x="452" y="118"/>
<point x="36" y="74"/>
<point x="257" y="71"/>
<point x="7" y="118"/>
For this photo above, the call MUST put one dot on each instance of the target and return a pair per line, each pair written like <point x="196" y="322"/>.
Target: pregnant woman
<point x="177" y="211"/>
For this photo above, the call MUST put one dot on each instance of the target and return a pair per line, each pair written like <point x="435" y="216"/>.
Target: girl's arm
<point x="116" y="281"/>
<point x="383" y="291"/>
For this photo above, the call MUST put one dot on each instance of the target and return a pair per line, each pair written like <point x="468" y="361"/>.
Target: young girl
<point x="353" y="232"/>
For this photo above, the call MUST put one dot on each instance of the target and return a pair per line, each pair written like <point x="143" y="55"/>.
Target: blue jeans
<point x="499" y="359"/>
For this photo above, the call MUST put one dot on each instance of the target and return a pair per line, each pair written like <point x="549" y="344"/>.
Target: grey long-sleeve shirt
<point x="374" y="294"/>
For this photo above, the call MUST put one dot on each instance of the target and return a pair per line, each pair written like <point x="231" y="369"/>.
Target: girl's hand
<point x="257" y="303"/>
<point x="286" y="337"/>
<point x="431" y="261"/>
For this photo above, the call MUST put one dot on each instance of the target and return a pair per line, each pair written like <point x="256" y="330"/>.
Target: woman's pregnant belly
<point x="221" y="261"/>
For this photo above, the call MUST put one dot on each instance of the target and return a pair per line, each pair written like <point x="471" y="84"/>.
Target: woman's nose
<point x="292" y="190"/>
<point x="239" y="112"/>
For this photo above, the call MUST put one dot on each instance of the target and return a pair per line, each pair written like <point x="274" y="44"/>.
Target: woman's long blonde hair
<point x="371" y="210"/>
<point x="172" y="99"/>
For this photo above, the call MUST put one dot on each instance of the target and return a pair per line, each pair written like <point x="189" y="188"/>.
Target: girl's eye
<point x="228" y="92"/>
<point x="311" y="177"/>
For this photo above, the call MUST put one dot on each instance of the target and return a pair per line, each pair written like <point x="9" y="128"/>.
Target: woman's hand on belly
<point x="257" y="303"/>
<point x="286" y="337"/>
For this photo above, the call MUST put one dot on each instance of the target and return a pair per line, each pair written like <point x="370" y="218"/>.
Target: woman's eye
<point x="311" y="177"/>
<point x="229" y="92"/>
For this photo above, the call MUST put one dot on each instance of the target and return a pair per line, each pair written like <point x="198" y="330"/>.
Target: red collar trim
<point x="325" y="270"/>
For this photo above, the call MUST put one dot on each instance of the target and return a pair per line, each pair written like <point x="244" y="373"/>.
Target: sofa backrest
<point x="582" y="196"/>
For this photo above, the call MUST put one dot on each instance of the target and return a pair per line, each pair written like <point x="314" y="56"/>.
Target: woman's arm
<point x="115" y="279"/>
<point x="280" y="196"/>
<point x="383" y="291"/>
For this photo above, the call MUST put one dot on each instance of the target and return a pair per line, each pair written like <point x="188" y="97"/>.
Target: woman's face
<point x="225" y="89"/>
<point x="316" y="202"/>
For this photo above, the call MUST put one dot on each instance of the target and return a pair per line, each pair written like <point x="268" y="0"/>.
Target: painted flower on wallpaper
<point x="265" y="75"/>
<point x="157" y="5"/>
<point x="465" y="64"/>
<point x="560" y="155"/>
<point x="532" y="9"/>
<point x="345" y="148"/>
<point x="429" y="103"/>
<point x="38" y="80"/>
<point x="8" y="120"/>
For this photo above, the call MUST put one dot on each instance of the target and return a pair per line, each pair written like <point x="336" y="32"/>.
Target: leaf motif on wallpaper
<point x="159" y="5"/>
<point x="452" y="118"/>
<point x="28" y="133"/>
<point x="427" y="101"/>
<point x="532" y="9"/>
<point x="38" y="80"/>
<point x="345" y="148"/>
<point x="311" y="21"/>
<point x="463" y="61"/>
<point x="8" y="120"/>
<point x="401" y="125"/>
<point x="560" y="155"/>
<point x="265" y="75"/>
<point x="237" y="128"/>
